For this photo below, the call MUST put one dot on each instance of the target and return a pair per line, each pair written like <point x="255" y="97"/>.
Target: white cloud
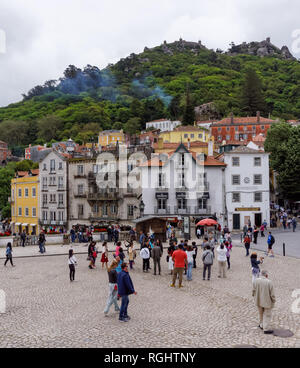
<point x="44" y="37"/>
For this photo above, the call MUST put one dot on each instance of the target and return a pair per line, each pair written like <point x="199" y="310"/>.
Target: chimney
<point x="231" y="118"/>
<point x="258" y="116"/>
<point x="210" y="147"/>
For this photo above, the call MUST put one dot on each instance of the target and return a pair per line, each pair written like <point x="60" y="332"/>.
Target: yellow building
<point x="25" y="202"/>
<point x="111" y="137"/>
<point x="208" y="148"/>
<point x="185" y="134"/>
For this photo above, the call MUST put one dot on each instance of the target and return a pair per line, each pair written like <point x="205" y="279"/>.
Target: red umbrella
<point x="207" y="222"/>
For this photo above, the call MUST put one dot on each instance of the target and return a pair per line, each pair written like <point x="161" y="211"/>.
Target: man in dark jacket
<point x="23" y="238"/>
<point x="125" y="288"/>
<point x="156" y="255"/>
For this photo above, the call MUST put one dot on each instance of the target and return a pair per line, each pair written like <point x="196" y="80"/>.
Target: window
<point x="200" y="136"/>
<point x="236" y="197"/>
<point x="60" y="182"/>
<point x="236" y="129"/>
<point x="19" y="193"/>
<point x="26" y="192"/>
<point x="130" y="209"/>
<point x="26" y="211"/>
<point x="113" y="209"/>
<point x="254" y="129"/>
<point x="45" y="199"/>
<point x="236" y="137"/>
<point x="52" y="165"/>
<point x="52" y="198"/>
<point x="95" y="169"/>
<point x="258" y="197"/>
<point x="33" y="192"/>
<point x="60" y="215"/>
<point x="161" y="204"/>
<point x="262" y="127"/>
<point x="219" y="129"/>
<point x="44" y="167"/>
<point x="181" y="203"/>
<point x="257" y="161"/>
<point x="80" y="170"/>
<point x="245" y="128"/>
<point x="60" y="166"/>
<point x="186" y="136"/>
<point x="181" y="180"/>
<point x="202" y="203"/>
<point x="161" y="180"/>
<point x="52" y="181"/>
<point x="235" y="161"/>
<point x="52" y="216"/>
<point x="104" y="210"/>
<point x="236" y="180"/>
<point x="60" y="199"/>
<point x="45" y="215"/>
<point x="245" y="136"/>
<point x="192" y="136"/>
<point x="257" y="179"/>
<point x="227" y="137"/>
<point x="227" y="129"/>
<point x="95" y="208"/>
<point x="20" y="211"/>
<point x="44" y="182"/>
<point x="219" y="137"/>
<point x="80" y="189"/>
<point x="33" y="212"/>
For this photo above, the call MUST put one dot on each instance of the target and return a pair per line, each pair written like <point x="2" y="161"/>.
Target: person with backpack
<point x="208" y="260"/>
<point x="145" y="255"/>
<point x="8" y="254"/>
<point x="271" y="241"/>
<point x="125" y="288"/>
<point x="72" y="262"/>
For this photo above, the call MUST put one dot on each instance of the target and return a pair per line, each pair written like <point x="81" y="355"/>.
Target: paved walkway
<point x="45" y="310"/>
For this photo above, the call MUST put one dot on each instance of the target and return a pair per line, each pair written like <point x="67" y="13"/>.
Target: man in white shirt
<point x="222" y="259"/>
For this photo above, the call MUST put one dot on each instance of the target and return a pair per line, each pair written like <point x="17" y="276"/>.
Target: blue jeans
<point x="189" y="272"/>
<point x="42" y="247"/>
<point x="112" y="298"/>
<point x="124" y="306"/>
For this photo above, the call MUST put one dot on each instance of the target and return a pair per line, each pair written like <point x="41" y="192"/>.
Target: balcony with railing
<point x="162" y="211"/>
<point x="182" y="211"/>
<point x="79" y="194"/>
<point x="104" y="195"/>
<point x="181" y="165"/>
<point x="203" y="187"/>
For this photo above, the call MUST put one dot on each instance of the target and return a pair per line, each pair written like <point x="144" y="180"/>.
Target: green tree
<point x="49" y="127"/>
<point x="133" y="126"/>
<point x="189" y="109"/>
<point x="252" y="99"/>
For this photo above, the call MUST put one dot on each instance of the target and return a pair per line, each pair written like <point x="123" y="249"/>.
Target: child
<point x="104" y="258"/>
<point x="9" y="254"/>
<point x="131" y="255"/>
<point x="255" y="267"/>
<point x="228" y="248"/>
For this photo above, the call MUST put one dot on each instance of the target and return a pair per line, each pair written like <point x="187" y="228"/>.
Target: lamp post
<point x="142" y="208"/>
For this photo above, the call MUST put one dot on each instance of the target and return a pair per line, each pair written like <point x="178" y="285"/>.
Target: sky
<point x="40" y="38"/>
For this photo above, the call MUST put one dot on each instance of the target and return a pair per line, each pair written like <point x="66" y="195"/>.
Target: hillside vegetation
<point x="160" y="82"/>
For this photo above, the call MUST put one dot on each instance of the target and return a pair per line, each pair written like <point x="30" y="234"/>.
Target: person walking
<point x="104" y="257"/>
<point x="23" y="238"/>
<point x="92" y="255"/>
<point x="8" y="254"/>
<point x="125" y="288"/>
<point x="190" y="261"/>
<point x="131" y="255"/>
<point x="195" y="248"/>
<point x="271" y="241"/>
<point x="72" y="262"/>
<point x="264" y="297"/>
<point x="113" y="288"/>
<point x="179" y="258"/>
<point x="221" y="252"/>
<point x="145" y="254"/>
<point x="262" y="231"/>
<point x="255" y="234"/>
<point x="171" y="250"/>
<point x="255" y="266"/>
<point x="42" y="241"/>
<point x="228" y="250"/>
<point x="156" y="255"/>
<point x="208" y="260"/>
<point x="247" y="242"/>
<point x="294" y="223"/>
<point x="73" y="235"/>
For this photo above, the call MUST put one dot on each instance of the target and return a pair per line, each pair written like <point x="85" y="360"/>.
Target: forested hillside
<point x="165" y="81"/>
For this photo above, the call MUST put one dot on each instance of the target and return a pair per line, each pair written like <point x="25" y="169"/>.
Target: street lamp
<point x="142" y="208"/>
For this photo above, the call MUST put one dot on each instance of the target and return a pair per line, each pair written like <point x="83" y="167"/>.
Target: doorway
<point x="236" y="221"/>
<point x="258" y="219"/>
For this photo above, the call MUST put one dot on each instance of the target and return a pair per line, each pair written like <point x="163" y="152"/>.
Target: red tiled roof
<point x="35" y="171"/>
<point x="244" y="120"/>
<point x="187" y="128"/>
<point x="175" y="145"/>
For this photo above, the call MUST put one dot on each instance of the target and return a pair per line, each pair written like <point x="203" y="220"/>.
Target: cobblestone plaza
<point x="43" y="309"/>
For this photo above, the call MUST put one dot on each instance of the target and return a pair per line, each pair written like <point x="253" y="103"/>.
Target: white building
<point x="53" y="190"/>
<point x="164" y="125"/>
<point x="183" y="184"/>
<point x="247" y="190"/>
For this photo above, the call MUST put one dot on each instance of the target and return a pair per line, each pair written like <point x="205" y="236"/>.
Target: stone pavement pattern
<point x="45" y="310"/>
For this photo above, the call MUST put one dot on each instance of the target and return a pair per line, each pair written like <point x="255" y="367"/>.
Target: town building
<point x="241" y="129"/>
<point x="247" y="187"/>
<point x="111" y="137"/>
<point x="5" y="153"/>
<point x="53" y="191"/>
<point x="207" y="148"/>
<point x="186" y="134"/>
<point x="164" y="125"/>
<point x="183" y="184"/>
<point x="25" y="202"/>
<point x="36" y="153"/>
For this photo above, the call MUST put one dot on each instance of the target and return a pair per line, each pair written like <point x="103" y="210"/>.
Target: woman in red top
<point x="247" y="242"/>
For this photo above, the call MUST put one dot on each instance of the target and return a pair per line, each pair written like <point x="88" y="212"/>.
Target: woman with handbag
<point x="104" y="257"/>
<point x="92" y="255"/>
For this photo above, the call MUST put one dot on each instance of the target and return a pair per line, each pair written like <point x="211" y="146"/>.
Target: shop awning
<point x="24" y="224"/>
<point x="18" y="223"/>
<point x="32" y="225"/>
